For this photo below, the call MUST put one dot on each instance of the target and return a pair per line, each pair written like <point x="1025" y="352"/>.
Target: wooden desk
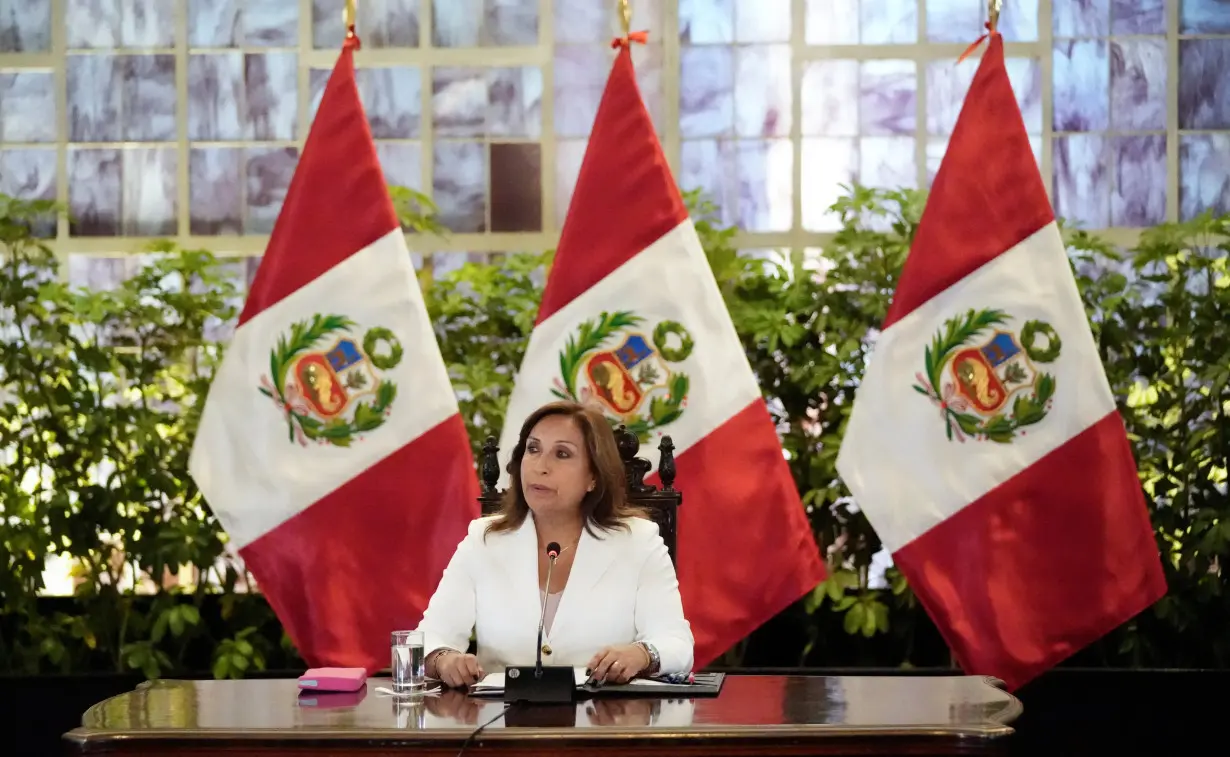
<point x="786" y="715"/>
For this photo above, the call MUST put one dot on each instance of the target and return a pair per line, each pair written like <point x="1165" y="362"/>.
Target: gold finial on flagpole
<point x="348" y="17"/>
<point x="625" y="17"/>
<point x="993" y="9"/>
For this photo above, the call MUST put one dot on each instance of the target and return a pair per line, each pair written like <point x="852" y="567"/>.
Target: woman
<point x="613" y="605"/>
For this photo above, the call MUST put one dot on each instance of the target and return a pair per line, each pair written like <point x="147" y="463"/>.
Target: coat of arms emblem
<point x="986" y="379"/>
<point x="627" y="369"/>
<point x="327" y="383"/>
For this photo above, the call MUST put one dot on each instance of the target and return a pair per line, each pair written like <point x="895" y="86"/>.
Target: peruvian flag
<point x="331" y="447"/>
<point x="632" y="319"/>
<point x="984" y="444"/>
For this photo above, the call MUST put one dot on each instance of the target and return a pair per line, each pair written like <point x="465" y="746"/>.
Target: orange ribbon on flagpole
<point x="641" y="37"/>
<point x="625" y="22"/>
<point x="992" y="27"/>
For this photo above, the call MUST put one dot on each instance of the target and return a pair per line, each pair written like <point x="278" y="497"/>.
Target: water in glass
<point x="409" y="661"/>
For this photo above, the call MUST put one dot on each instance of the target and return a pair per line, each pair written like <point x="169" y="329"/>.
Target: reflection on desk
<point x="452" y="708"/>
<point x="767" y="712"/>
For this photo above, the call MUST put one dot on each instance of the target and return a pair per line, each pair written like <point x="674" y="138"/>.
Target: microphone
<point x="552" y="556"/>
<point x="553" y="684"/>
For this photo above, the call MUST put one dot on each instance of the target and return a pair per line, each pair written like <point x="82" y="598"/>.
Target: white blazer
<point x="622" y="589"/>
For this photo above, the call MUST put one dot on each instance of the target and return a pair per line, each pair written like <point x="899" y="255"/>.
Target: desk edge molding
<point x="83" y="735"/>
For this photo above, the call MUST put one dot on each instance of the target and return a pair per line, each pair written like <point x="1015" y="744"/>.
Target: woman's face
<point x="555" y="471"/>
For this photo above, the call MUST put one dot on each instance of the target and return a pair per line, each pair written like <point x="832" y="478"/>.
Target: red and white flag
<point x="632" y="318"/>
<point x="984" y="444"/>
<point x="331" y="447"/>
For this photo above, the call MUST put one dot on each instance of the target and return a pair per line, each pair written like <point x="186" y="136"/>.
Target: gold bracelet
<point x="436" y="655"/>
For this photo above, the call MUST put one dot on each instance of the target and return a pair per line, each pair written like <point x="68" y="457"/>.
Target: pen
<point x="677" y="678"/>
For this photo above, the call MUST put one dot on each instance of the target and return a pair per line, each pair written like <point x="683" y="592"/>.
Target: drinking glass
<point x="409" y="662"/>
<point x="410" y="712"/>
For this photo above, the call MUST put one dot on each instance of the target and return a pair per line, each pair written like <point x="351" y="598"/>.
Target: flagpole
<point x="348" y="15"/>
<point x="625" y="18"/>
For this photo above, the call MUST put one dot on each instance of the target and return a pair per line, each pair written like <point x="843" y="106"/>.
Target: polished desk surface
<point x="753" y="714"/>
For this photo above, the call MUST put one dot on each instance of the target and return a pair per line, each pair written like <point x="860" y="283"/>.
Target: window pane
<point x="1204" y="86"/>
<point x="887" y="102"/>
<point x="392" y="99"/>
<point x="216" y="23"/>
<point x="955" y="20"/>
<point x="1140" y="181"/>
<point x="269" y="170"/>
<point x="1080" y="18"/>
<point x="711" y="165"/>
<point x="29" y="173"/>
<point x="459" y="101"/>
<point x="580" y="75"/>
<point x="762" y="20"/>
<point x="27" y="106"/>
<point x="401" y="163"/>
<point x="706" y="91"/>
<point x="1081" y="85"/>
<point x="830" y="98"/>
<point x="272" y="92"/>
<point x="1203" y="16"/>
<point x="95" y="97"/>
<point x="270" y="23"/>
<point x="26" y="28"/>
<point x="706" y="21"/>
<point x="766" y="185"/>
<point x="763" y="96"/>
<point x="514" y="102"/>
<point x="887" y="162"/>
<point x="1082" y="179"/>
<point x="459" y="185"/>
<point x="828" y="163"/>
<point x="832" y="22"/>
<point x="151" y="180"/>
<point x="510" y="22"/>
<point x="1204" y="174"/>
<point x="1138" y="83"/>
<point x="1140" y="16"/>
<point x="149" y="98"/>
<point x="888" y="22"/>
<point x="215" y="190"/>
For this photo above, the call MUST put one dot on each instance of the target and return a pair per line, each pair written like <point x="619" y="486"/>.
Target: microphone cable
<point x="476" y="731"/>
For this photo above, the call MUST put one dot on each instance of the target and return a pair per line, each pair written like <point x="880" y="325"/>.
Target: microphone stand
<point x="542" y="618"/>
<point x="550" y="684"/>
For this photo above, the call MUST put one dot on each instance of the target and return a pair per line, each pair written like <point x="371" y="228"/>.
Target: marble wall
<point x="473" y="100"/>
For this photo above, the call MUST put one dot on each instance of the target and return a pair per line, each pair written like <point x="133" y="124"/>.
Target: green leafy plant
<point x="1159" y="314"/>
<point x="100" y="393"/>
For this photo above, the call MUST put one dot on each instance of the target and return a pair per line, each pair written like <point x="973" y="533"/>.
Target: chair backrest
<point x="662" y="504"/>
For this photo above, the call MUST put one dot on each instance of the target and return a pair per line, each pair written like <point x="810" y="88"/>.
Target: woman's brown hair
<point x="607" y="505"/>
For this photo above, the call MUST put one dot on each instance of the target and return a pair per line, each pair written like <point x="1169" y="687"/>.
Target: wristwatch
<point x="655" y="660"/>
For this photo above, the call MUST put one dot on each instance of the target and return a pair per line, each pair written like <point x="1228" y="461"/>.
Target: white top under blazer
<point x="622" y="589"/>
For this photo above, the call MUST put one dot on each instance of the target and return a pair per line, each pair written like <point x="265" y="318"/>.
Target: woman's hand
<point x="450" y="703"/>
<point x="618" y="664"/>
<point x="457" y="669"/>
<point x="620" y="711"/>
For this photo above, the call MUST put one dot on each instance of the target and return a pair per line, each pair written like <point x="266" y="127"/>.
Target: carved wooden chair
<point x="662" y="505"/>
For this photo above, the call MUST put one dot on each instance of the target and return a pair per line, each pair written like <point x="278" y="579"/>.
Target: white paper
<point x="648" y="682"/>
